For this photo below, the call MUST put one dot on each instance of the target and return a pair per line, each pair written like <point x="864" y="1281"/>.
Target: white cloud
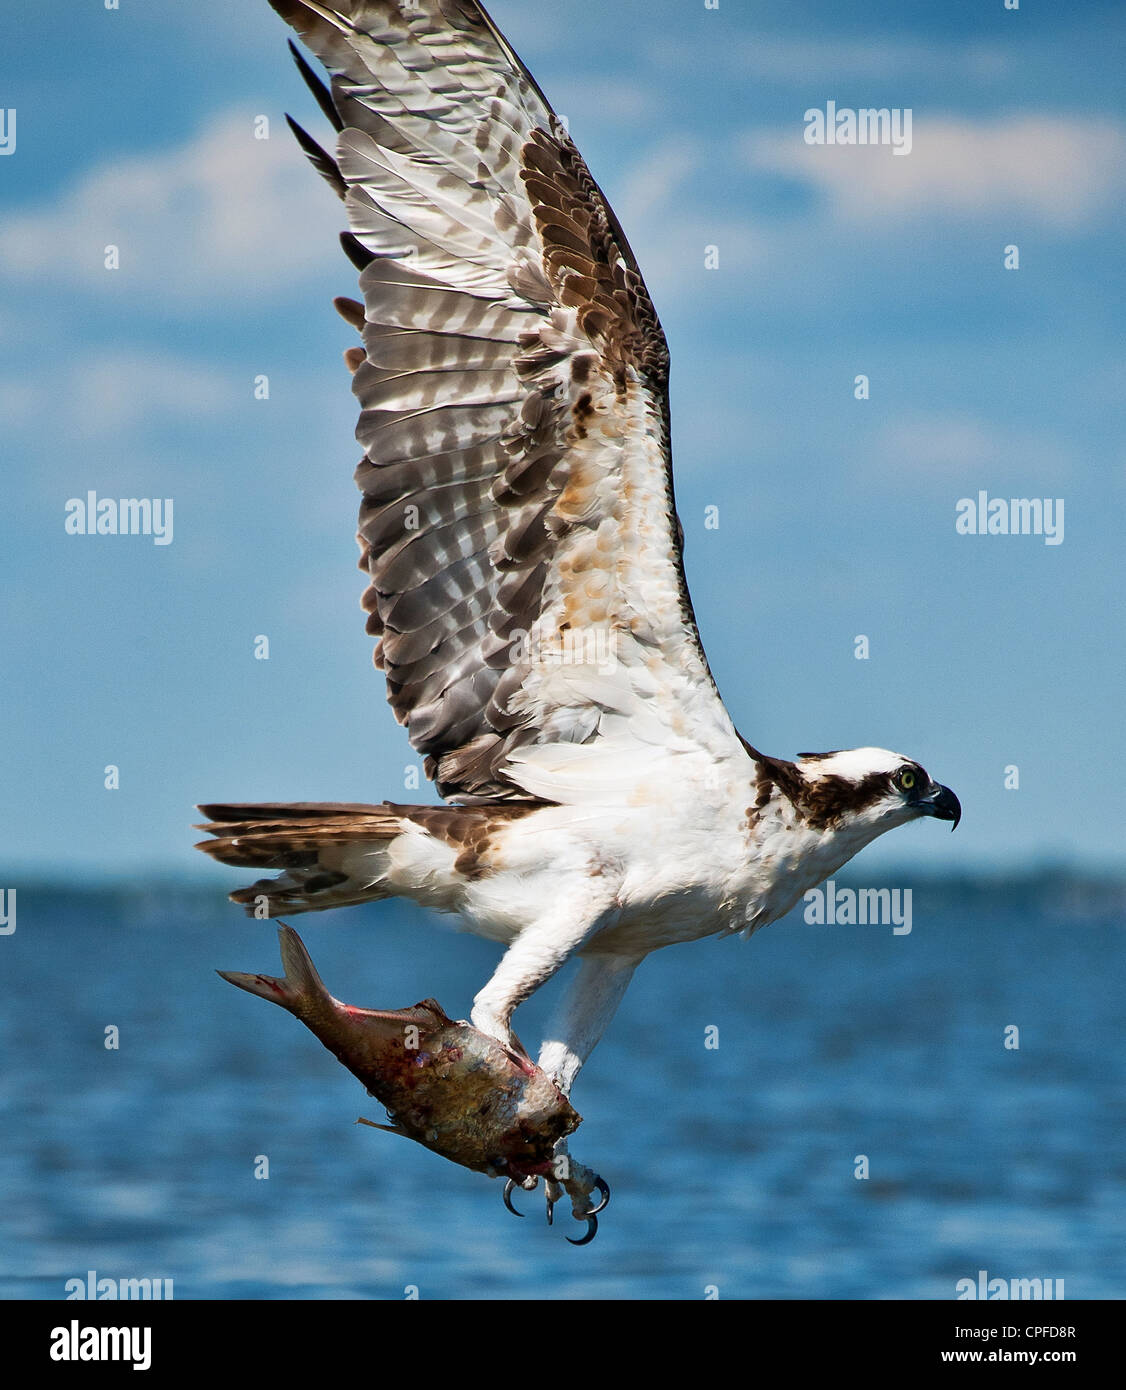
<point x="1064" y="171"/>
<point x="118" y="389"/>
<point x="220" y="213"/>
<point x="653" y="181"/>
<point x="110" y="392"/>
<point x="963" y="449"/>
<point x="802" y="61"/>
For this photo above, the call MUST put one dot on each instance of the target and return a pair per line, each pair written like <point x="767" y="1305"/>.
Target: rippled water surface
<point x="731" y="1166"/>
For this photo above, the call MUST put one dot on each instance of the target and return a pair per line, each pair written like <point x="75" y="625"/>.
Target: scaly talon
<point x="591" y="1216"/>
<point x="554" y="1190"/>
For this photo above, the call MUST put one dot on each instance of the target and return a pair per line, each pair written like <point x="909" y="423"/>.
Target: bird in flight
<point x="520" y="540"/>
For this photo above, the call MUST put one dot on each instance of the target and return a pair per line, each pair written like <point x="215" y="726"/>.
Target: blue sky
<point x="836" y="516"/>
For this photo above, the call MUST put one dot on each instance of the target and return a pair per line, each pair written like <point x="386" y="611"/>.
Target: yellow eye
<point x="907" y="779"/>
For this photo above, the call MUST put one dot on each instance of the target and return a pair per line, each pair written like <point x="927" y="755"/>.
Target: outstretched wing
<point x="518" y="523"/>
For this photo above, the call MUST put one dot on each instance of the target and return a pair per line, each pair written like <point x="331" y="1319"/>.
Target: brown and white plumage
<point x="517" y="480"/>
<point x="519" y="532"/>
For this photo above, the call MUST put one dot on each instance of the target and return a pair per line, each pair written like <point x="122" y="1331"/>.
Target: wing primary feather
<point x="355" y="250"/>
<point x="321" y="161"/>
<point x="318" y="88"/>
<point x="350" y="309"/>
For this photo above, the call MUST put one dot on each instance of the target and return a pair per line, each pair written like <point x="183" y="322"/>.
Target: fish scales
<point x="444" y="1084"/>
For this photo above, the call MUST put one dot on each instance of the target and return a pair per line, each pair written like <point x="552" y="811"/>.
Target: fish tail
<point x="301" y="983"/>
<point x="300" y="972"/>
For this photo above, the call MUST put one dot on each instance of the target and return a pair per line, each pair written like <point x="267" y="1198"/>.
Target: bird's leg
<point x="587" y="1009"/>
<point x="575" y="1030"/>
<point x="535" y="955"/>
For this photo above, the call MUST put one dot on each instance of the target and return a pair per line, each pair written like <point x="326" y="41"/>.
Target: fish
<point x="444" y="1083"/>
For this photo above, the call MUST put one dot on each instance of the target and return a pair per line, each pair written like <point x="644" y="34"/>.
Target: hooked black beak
<point x="941" y="803"/>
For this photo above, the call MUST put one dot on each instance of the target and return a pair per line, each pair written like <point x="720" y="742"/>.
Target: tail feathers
<point x="233" y="811"/>
<point x="308" y="842"/>
<point x="302" y="891"/>
<point x="290" y="836"/>
<point x="334" y="854"/>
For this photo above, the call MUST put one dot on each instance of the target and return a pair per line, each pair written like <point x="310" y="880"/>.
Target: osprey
<point x="523" y="553"/>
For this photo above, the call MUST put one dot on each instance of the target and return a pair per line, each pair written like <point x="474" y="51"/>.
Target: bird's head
<point x="871" y="790"/>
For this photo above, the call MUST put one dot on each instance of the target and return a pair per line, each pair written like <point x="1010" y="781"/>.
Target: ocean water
<point x="731" y="1166"/>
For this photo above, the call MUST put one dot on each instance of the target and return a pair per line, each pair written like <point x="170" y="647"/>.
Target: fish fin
<point x="390" y="1129"/>
<point x="265" y="986"/>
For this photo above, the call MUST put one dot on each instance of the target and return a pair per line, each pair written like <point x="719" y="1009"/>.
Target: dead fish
<point x="445" y="1084"/>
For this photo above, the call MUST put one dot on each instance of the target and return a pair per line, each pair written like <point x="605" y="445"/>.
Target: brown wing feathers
<point x="497" y="287"/>
<point x="513" y="372"/>
<point x="585" y="261"/>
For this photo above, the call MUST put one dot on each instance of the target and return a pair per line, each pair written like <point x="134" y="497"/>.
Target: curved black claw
<point x="604" y="1188"/>
<point x="553" y="1191"/>
<point x="592" y="1215"/>
<point x="508" y="1187"/>
<point x="591" y="1230"/>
